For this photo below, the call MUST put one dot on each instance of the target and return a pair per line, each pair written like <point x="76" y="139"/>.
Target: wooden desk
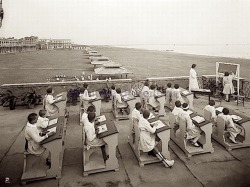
<point x="189" y="96"/>
<point x="97" y="102"/>
<point x="160" y="97"/>
<point x="244" y="137"/>
<point x="182" y="142"/>
<point x="55" y="144"/>
<point x="111" y="139"/>
<point x="163" y="134"/>
<point x="203" y="91"/>
<point x="130" y="100"/>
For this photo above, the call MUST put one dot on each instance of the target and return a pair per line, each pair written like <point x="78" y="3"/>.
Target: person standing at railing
<point x="193" y="82"/>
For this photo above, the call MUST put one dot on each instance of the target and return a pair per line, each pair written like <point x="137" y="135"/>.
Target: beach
<point x="38" y="66"/>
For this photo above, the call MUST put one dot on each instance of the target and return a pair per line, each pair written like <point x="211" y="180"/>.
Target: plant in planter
<point x="73" y="95"/>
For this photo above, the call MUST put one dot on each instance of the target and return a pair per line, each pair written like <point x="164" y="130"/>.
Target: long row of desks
<point x="34" y="166"/>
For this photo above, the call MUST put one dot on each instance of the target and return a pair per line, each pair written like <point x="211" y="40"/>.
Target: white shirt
<point x="85" y="96"/>
<point x="85" y="118"/>
<point x="113" y="92"/>
<point x="90" y="131"/>
<point x="228" y="121"/>
<point x="211" y="109"/>
<point x="169" y="92"/>
<point x="145" y="91"/>
<point x="186" y="117"/>
<point x="136" y="114"/>
<point x="193" y="82"/>
<point x="42" y="123"/>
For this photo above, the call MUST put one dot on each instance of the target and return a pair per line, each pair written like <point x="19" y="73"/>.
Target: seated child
<point x="176" y="93"/>
<point x="193" y="133"/>
<point x="210" y="108"/>
<point x="48" y="103"/>
<point x="91" y="109"/>
<point x="230" y="126"/>
<point x="177" y="110"/>
<point x="119" y="103"/>
<point x="147" y="139"/>
<point x="136" y="115"/>
<point x="84" y="96"/>
<point x="42" y="121"/>
<point x="145" y="94"/>
<point x="91" y="135"/>
<point x="169" y="92"/>
<point x="152" y="100"/>
<point x="113" y="93"/>
<point x="33" y="138"/>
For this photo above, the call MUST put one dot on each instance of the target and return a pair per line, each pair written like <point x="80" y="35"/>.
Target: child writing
<point x="42" y="121"/>
<point x="147" y="139"/>
<point x="228" y="84"/>
<point x="48" y="103"/>
<point x="152" y="100"/>
<point x="230" y="126"/>
<point x="119" y="103"/>
<point x="84" y="96"/>
<point x="211" y="109"/>
<point x="193" y="133"/>
<point x="33" y="138"/>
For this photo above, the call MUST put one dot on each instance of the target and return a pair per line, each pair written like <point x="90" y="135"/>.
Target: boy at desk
<point x="113" y="93"/>
<point x="176" y="93"/>
<point x="42" y="121"/>
<point x="119" y="103"/>
<point x="48" y="103"/>
<point x="91" y="134"/>
<point x="147" y="139"/>
<point x="91" y="109"/>
<point x="230" y="126"/>
<point x="145" y="93"/>
<point x="210" y="108"/>
<point x="33" y="138"/>
<point x="136" y="115"/>
<point x="152" y="100"/>
<point x="84" y="96"/>
<point x="193" y="133"/>
<point x="177" y="110"/>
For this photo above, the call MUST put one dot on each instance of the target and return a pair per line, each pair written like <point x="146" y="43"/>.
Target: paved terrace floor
<point x="222" y="168"/>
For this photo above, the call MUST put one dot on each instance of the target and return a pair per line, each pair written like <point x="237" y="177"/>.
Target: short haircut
<point x="49" y="90"/>
<point x="211" y="102"/>
<point x="42" y="113"/>
<point x="113" y="87"/>
<point x="85" y="85"/>
<point x="225" y="111"/>
<point x="177" y="103"/>
<point x="152" y="87"/>
<point x="226" y="74"/>
<point x="91" y="116"/>
<point x="146" y="84"/>
<point x="146" y="114"/>
<point x="193" y="65"/>
<point x="82" y="90"/>
<point x="184" y="105"/>
<point x="31" y="117"/>
<point x="176" y="86"/>
<point x="118" y="90"/>
<point x="91" y="109"/>
<point x="169" y="85"/>
<point x="138" y="105"/>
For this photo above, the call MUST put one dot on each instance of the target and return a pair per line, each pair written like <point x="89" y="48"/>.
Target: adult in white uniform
<point x="193" y="82"/>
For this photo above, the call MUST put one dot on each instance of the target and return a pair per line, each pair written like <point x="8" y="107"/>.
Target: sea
<point x="225" y="50"/>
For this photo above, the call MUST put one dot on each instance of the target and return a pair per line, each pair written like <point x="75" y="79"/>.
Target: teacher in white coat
<point x="193" y="82"/>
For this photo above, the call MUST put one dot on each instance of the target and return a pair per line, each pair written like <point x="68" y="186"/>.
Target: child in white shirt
<point x="84" y="96"/>
<point x="176" y="93"/>
<point x="152" y="100"/>
<point x="136" y="115"/>
<point x="147" y="141"/>
<point x="177" y="110"/>
<point x="123" y="106"/>
<point x="48" y="103"/>
<point x="210" y="108"/>
<point x="113" y="94"/>
<point x="169" y="93"/>
<point x="144" y="94"/>
<point x="91" y="109"/>
<point x="42" y="121"/>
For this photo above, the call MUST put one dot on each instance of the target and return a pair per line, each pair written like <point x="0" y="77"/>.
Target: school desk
<point x="162" y="133"/>
<point x="160" y="97"/>
<point x="243" y="137"/>
<point x="111" y="139"/>
<point x="97" y="102"/>
<point x="189" y="96"/>
<point x="61" y="104"/>
<point x="203" y="91"/>
<point x="130" y="100"/>
<point x="183" y="143"/>
<point x="35" y="168"/>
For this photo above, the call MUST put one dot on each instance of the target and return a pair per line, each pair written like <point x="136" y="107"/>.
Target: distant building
<point x="78" y="47"/>
<point x="43" y="44"/>
<point x="29" y="43"/>
<point x="60" y="44"/>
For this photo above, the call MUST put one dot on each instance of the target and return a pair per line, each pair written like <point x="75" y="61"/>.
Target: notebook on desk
<point x="198" y="119"/>
<point x="58" y="98"/>
<point x="158" y="124"/>
<point x="101" y="118"/>
<point x="53" y="121"/>
<point x="102" y="128"/>
<point x="236" y="118"/>
<point x="151" y="116"/>
<point x="52" y="130"/>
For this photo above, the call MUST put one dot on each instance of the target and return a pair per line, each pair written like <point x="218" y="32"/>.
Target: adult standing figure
<point x="193" y="82"/>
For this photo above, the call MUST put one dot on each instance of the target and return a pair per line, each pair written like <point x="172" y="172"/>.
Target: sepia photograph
<point x="125" y="93"/>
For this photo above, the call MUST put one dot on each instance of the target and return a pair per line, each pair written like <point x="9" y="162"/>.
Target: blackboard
<point x="227" y="68"/>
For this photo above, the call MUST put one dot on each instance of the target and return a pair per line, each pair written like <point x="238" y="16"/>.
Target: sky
<point x="130" y="22"/>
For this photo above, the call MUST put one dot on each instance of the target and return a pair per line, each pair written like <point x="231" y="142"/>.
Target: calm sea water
<point x="235" y="51"/>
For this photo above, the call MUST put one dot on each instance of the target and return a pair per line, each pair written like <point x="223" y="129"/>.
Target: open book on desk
<point x="236" y="118"/>
<point x="102" y="128"/>
<point x="101" y="118"/>
<point x="198" y="119"/>
<point x="151" y="115"/>
<point x="53" y="121"/>
<point x="158" y="124"/>
<point x="52" y="130"/>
